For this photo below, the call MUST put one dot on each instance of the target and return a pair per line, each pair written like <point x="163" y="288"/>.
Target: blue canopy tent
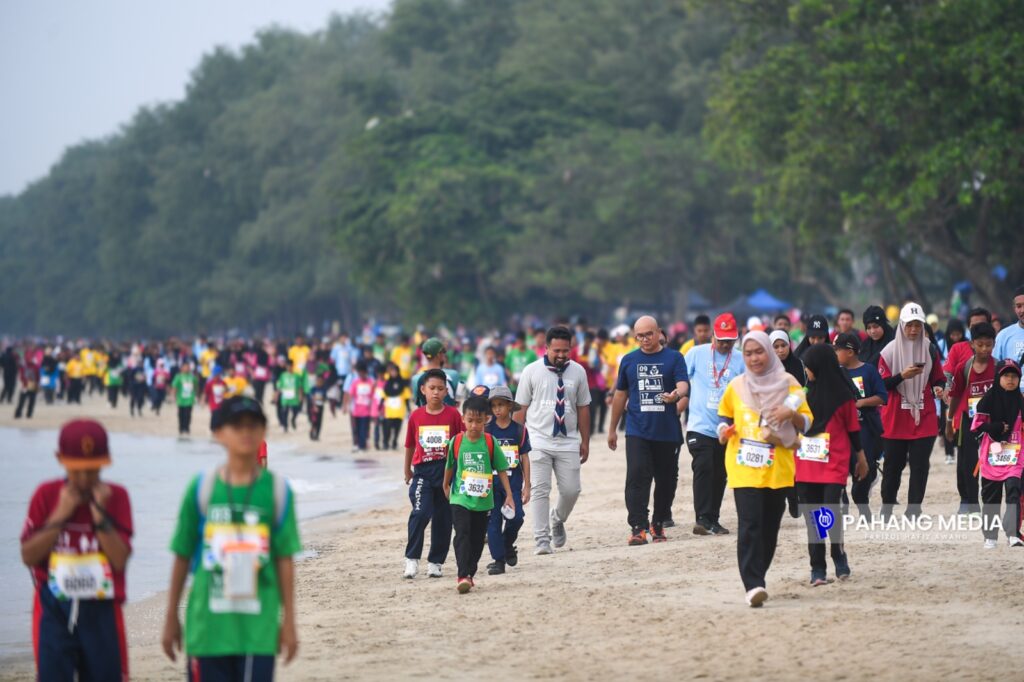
<point x="762" y="300"/>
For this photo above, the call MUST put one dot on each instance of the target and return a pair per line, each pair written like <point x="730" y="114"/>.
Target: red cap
<point x="83" y="445"/>
<point x="725" y="328"/>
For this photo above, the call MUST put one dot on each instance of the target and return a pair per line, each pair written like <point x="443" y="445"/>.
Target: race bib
<point x="186" y="390"/>
<point x="904" y="405"/>
<point x="393" y="402"/>
<point x="1003" y="454"/>
<point x="511" y="455"/>
<point x="260" y="373"/>
<point x="859" y="383"/>
<point x="475" y="484"/>
<point x="288" y="394"/>
<point x="81" y="576"/>
<point x="363" y="390"/>
<point x="972" y="406"/>
<point x="218" y="392"/>
<point x="754" y="453"/>
<point x="814" y="448"/>
<point x="433" y="440"/>
<point x="491" y="379"/>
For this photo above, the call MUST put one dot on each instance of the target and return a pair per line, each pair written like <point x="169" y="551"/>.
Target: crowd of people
<point x="790" y="413"/>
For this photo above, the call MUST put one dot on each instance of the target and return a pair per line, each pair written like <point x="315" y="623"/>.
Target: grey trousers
<point x="566" y="467"/>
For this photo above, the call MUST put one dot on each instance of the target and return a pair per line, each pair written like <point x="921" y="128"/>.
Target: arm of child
<point x="448" y="473"/>
<point x="288" y="644"/>
<point x="171" y="638"/>
<point x="524" y="464"/>
<point x="408" y="464"/>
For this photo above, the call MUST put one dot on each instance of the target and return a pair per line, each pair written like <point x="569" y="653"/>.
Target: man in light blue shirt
<point x="1010" y="341"/>
<point x="341" y="356"/>
<point x="711" y="367"/>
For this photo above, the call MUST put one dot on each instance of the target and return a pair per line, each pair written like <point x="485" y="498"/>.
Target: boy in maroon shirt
<point x="426" y="450"/>
<point x="76" y="540"/>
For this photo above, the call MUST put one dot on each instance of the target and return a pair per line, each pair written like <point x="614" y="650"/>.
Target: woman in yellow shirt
<point x="762" y="412"/>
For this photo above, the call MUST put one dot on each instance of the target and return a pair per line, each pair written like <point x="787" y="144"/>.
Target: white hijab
<point x="901" y="352"/>
<point x="761" y="392"/>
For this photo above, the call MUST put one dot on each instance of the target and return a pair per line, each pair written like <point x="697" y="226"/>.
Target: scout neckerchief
<point x="559" y="426"/>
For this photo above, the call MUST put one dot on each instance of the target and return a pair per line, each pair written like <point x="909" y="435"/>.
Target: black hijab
<point x="792" y="363"/>
<point x="1002" y="406"/>
<point x="831" y="387"/>
<point x="955" y="325"/>
<point x="871" y="350"/>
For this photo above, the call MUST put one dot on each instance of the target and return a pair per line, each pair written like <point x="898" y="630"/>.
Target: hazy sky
<point x="72" y="70"/>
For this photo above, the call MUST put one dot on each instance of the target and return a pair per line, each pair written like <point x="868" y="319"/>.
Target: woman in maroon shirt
<point x="912" y="372"/>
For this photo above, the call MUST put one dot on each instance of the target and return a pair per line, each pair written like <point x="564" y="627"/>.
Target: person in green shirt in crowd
<point x="185" y="387"/>
<point x="288" y="397"/>
<point x="436" y="355"/>
<point x="473" y="460"/>
<point x="237" y="534"/>
<point x="518" y="356"/>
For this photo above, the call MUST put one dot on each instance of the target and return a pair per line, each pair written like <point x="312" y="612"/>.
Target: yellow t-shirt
<point x="685" y="348"/>
<point x="88" y="362"/>
<point x="395" y="406"/>
<point x="778" y="474"/>
<point x="403" y="357"/>
<point x="235" y="386"/>
<point x="74" y="368"/>
<point x="298" y="356"/>
<point x="206" y="361"/>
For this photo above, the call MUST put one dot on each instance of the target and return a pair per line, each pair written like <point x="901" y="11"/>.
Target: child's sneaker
<point x="658" y="532"/>
<point x="950" y="459"/>
<point x="818" y="578"/>
<point x="412" y="567"/>
<point x="464" y="585"/>
<point x="433" y="570"/>
<point x="511" y="556"/>
<point x="842" y="568"/>
<point x="1015" y="542"/>
<point x="496" y="568"/>
<point x="756" y="597"/>
<point x="990" y="543"/>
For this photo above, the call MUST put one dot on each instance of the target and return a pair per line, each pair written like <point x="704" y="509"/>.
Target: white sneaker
<point x="543" y="548"/>
<point x="412" y="567"/>
<point x="950" y="459"/>
<point x="1015" y="542"/>
<point x="990" y="544"/>
<point x="433" y="570"/>
<point x="756" y="597"/>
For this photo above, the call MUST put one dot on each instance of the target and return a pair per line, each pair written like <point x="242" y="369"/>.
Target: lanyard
<point x="245" y="504"/>
<point x="715" y="374"/>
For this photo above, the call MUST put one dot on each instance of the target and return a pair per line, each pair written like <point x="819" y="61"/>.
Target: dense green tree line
<point x="463" y="160"/>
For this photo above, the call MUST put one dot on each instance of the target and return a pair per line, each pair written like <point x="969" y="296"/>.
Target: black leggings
<point x="898" y="453"/>
<point x="991" y="496"/>
<point x="759" y="513"/>
<point x="814" y="496"/>
<point x="392" y="427"/>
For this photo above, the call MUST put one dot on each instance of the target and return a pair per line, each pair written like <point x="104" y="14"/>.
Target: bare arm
<point x="289" y="640"/>
<point x="408" y="464"/>
<point x="524" y="463"/>
<point x="618" y="406"/>
<point x="583" y="424"/>
<point x="171" y="638"/>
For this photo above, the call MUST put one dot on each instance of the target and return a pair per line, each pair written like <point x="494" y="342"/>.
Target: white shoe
<point x="950" y="459"/>
<point x="990" y="544"/>
<point x="412" y="567"/>
<point x="756" y="597"/>
<point x="433" y="570"/>
<point x="1015" y="542"/>
<point x="543" y="548"/>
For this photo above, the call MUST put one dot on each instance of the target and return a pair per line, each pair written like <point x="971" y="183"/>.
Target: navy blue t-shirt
<point x="869" y="382"/>
<point x="646" y="377"/>
<point x="514" y="436"/>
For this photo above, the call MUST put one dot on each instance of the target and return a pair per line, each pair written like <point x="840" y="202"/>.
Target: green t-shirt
<point x="474" y="473"/>
<point x="515" y="360"/>
<point x="115" y="376"/>
<point x="185" y="388"/>
<point x="216" y="625"/>
<point x="288" y="384"/>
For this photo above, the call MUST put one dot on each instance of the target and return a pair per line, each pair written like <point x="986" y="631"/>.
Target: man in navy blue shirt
<point x="653" y="379"/>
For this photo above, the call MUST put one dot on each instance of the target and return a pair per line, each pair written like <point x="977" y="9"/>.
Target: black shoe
<point x="718" y="529"/>
<point x="702" y="527"/>
<point x="511" y="556"/>
<point x="668" y="523"/>
<point x="496" y="568"/>
<point x="794" y="505"/>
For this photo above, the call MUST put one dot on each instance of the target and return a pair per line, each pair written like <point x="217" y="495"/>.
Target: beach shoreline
<point x="599" y="609"/>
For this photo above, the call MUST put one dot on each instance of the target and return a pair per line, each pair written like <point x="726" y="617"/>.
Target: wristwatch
<point x="103" y="526"/>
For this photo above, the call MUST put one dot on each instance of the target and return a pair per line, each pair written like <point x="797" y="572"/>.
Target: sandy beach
<point x="598" y="609"/>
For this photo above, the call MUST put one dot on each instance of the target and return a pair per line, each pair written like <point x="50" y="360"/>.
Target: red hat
<point x="83" y="445"/>
<point x="725" y="328"/>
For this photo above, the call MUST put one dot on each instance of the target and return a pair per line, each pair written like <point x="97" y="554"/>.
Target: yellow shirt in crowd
<point x="403" y="357"/>
<point x="298" y="356"/>
<point x="74" y="368"/>
<point x="782" y="468"/>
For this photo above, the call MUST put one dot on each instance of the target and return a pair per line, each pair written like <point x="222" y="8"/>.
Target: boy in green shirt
<point x="185" y="387"/>
<point x="237" y="531"/>
<point x="288" y="397"/>
<point x="473" y="459"/>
